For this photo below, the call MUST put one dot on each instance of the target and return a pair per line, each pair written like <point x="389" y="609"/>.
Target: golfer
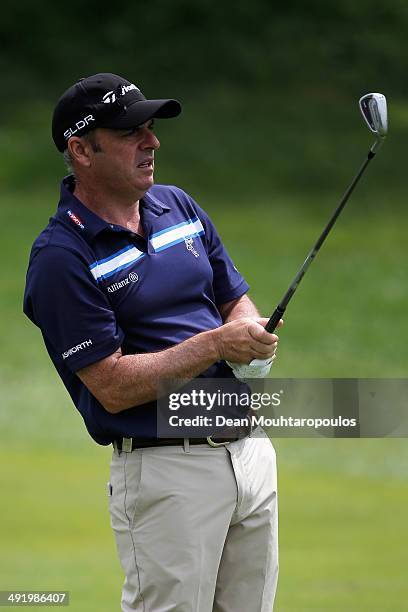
<point x="130" y="284"/>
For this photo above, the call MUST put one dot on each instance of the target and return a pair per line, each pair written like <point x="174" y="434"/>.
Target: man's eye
<point x="137" y="129"/>
<point x="132" y="131"/>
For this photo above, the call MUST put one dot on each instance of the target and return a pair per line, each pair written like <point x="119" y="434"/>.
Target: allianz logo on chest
<point x="131" y="278"/>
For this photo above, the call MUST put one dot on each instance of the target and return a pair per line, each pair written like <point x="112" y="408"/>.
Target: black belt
<point x="129" y="444"/>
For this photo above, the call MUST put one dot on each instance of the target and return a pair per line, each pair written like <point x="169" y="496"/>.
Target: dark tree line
<point x="196" y="45"/>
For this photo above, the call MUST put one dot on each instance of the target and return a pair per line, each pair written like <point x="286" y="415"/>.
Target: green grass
<point x="342" y="508"/>
<point x="55" y="526"/>
<point x="348" y="316"/>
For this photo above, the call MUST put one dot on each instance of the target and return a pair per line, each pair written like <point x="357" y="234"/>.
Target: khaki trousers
<point x="196" y="527"/>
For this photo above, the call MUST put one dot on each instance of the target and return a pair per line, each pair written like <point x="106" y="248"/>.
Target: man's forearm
<point x="132" y="380"/>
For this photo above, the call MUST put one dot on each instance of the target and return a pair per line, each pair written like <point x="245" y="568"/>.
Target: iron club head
<point x="373" y="107"/>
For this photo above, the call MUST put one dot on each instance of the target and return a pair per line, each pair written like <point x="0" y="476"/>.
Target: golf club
<point x="374" y="109"/>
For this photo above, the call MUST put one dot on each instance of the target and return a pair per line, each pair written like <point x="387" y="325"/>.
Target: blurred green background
<point x="269" y="138"/>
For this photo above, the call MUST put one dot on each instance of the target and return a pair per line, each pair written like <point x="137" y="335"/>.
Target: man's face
<point x="123" y="160"/>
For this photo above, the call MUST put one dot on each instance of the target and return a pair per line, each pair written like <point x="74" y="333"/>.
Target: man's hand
<point x="245" y="339"/>
<point x="258" y="367"/>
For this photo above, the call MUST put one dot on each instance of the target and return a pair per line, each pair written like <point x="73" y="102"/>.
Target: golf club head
<point x="373" y="107"/>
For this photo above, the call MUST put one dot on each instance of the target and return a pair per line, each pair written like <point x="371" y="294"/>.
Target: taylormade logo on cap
<point x="110" y="96"/>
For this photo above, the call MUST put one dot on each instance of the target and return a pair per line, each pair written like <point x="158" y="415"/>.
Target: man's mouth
<point x="147" y="163"/>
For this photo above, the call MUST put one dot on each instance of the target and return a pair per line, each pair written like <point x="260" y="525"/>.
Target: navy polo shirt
<point x="93" y="287"/>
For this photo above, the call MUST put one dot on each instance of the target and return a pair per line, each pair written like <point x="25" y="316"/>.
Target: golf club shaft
<point x="280" y="309"/>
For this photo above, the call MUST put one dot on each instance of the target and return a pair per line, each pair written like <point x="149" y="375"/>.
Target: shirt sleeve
<point x="66" y="303"/>
<point x="228" y="283"/>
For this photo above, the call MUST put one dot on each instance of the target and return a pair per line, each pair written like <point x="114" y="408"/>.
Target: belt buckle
<point x="211" y="442"/>
<point x="127" y="445"/>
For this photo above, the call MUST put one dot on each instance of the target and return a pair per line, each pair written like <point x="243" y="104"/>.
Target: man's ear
<point x="80" y="151"/>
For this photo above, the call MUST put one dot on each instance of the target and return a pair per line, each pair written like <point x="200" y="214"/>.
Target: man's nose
<point x="150" y="140"/>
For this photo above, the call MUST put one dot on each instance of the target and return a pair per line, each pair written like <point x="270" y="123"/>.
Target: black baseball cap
<point x="105" y="100"/>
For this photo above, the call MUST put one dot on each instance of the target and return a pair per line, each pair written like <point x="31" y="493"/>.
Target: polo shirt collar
<point x="150" y="202"/>
<point x="71" y="210"/>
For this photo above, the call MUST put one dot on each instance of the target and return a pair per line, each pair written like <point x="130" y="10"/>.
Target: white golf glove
<point x="258" y="368"/>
